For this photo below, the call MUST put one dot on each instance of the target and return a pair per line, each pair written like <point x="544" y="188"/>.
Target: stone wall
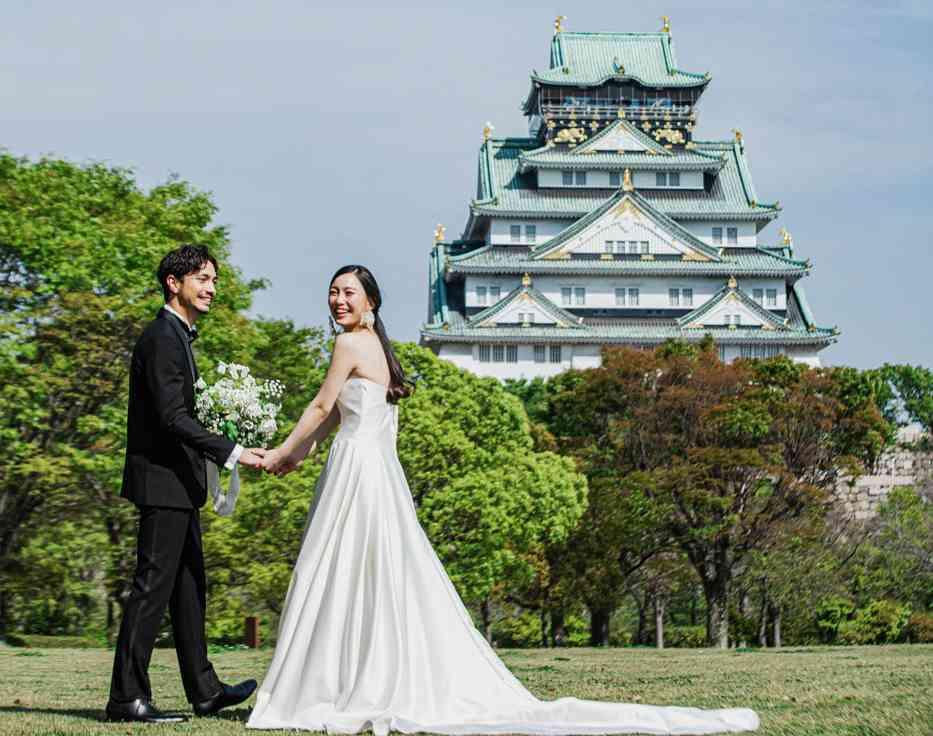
<point x="906" y="464"/>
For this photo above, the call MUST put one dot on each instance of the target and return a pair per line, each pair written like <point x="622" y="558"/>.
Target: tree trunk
<point x="641" y="603"/>
<point x="542" y="620"/>
<point x="693" y="611"/>
<point x="3" y="614"/>
<point x="763" y="619"/>
<point x="743" y="612"/>
<point x="487" y="619"/>
<point x="599" y="627"/>
<point x="776" y="619"/>
<point x="659" y="621"/>
<point x="717" y="612"/>
<point x="558" y="628"/>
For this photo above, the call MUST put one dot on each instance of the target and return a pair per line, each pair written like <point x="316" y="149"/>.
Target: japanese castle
<point x="610" y="224"/>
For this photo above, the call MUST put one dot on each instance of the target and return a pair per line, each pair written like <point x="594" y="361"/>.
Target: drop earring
<point x="368" y="319"/>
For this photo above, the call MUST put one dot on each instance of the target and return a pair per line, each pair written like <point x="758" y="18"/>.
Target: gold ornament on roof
<point x="621" y="113"/>
<point x="559" y="24"/>
<point x="439" y="232"/>
<point x="487" y="131"/>
<point x="646" y="126"/>
<point x="526" y="280"/>
<point x="570" y="135"/>
<point x="551" y="125"/>
<point x="669" y="134"/>
<point x="786" y="237"/>
<point x="732" y="282"/>
<point x="594" y="126"/>
<point x="627" y="185"/>
<point x="666" y="24"/>
<point x="738" y="135"/>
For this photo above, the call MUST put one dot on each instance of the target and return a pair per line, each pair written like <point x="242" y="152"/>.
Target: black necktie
<point x="192" y="336"/>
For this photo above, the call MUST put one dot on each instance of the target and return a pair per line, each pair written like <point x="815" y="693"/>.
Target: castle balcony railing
<point x="607" y="111"/>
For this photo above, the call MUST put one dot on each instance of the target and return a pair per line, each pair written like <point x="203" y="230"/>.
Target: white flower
<point x="221" y="369"/>
<point x="200" y="385"/>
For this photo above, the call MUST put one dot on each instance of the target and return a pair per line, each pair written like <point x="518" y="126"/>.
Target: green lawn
<point x="858" y="691"/>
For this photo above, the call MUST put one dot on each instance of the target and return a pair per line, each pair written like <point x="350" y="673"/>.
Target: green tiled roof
<point x="560" y="316"/>
<point x="633" y="332"/>
<point x="766" y="316"/>
<point x="562" y="156"/>
<point x="590" y="59"/>
<point x="506" y="192"/>
<point x="645" y="208"/>
<point x="511" y="259"/>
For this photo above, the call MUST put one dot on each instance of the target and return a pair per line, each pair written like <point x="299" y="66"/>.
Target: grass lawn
<point x="818" y="691"/>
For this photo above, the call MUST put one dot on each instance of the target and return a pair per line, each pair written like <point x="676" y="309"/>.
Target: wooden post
<point x="252" y="632"/>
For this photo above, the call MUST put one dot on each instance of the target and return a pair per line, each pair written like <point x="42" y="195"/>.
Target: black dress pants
<point x="169" y="573"/>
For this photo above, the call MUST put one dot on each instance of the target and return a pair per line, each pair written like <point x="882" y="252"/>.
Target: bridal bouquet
<point x="238" y="406"/>
<point x="243" y="410"/>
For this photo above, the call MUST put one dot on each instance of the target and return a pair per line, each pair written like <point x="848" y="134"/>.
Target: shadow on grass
<point x="97" y="714"/>
<point x="87" y="714"/>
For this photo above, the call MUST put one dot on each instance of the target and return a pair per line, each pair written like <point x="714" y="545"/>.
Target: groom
<point x="164" y="476"/>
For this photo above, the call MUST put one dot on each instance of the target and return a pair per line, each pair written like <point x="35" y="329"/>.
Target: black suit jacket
<point x="165" y="444"/>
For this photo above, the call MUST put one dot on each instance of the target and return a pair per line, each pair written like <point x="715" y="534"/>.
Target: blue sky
<point x="330" y="135"/>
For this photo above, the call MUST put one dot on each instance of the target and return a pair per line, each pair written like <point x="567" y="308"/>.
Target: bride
<point x="373" y="634"/>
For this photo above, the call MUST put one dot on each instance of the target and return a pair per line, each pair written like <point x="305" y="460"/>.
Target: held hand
<point x="253" y="457"/>
<point x="279" y="462"/>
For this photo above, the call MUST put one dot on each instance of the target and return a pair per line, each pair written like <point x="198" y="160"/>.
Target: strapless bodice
<point x="364" y="411"/>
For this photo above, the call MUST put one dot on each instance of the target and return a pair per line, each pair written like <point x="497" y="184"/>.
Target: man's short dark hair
<point x="184" y="260"/>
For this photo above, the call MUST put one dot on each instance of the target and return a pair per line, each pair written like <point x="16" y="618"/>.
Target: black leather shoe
<point x="228" y="695"/>
<point x="141" y="710"/>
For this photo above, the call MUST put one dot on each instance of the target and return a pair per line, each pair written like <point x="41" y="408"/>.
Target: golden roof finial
<point x="786" y="237"/>
<point x="627" y="185"/>
<point x="666" y="20"/>
<point x="439" y="232"/>
<point x="738" y="135"/>
<point x="526" y="280"/>
<point x="733" y="283"/>
<point x="487" y="130"/>
<point x="559" y="24"/>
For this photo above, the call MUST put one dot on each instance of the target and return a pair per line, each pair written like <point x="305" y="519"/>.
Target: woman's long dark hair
<point x="399" y="385"/>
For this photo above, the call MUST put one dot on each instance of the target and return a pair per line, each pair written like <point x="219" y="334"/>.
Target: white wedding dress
<point x="374" y="636"/>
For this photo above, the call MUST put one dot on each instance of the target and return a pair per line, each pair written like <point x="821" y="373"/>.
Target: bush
<point x="880" y="622"/>
<point x="520" y="631"/>
<point x="685" y="637"/>
<point x="920" y="628"/>
<point x="831" y="613"/>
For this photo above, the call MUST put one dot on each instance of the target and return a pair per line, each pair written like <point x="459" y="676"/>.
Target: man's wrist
<point x="234" y="457"/>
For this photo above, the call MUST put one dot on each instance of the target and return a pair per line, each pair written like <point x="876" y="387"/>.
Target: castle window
<point x="673" y="179"/>
<point x="498" y="353"/>
<point x="644" y="246"/>
<point x="579" y="296"/>
<point x="555" y="354"/>
<point x="687" y="295"/>
<point x="673" y="297"/>
<point x="772" y="297"/>
<point x="609" y="246"/>
<point x="732" y="235"/>
<point x="660" y="179"/>
<point x="494" y="292"/>
<point x="633" y="246"/>
<point x="566" y="296"/>
<point x="481" y="296"/>
<point x="511" y="353"/>
<point x="531" y="233"/>
<point x="633" y="297"/>
<point x="580" y="179"/>
<point x="540" y="353"/>
<point x="515" y="233"/>
<point x="614" y="179"/>
<point x="759" y="296"/>
<point x="717" y="236"/>
<point x="483" y="353"/>
<point x="567" y="178"/>
<point x="620" y="297"/>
